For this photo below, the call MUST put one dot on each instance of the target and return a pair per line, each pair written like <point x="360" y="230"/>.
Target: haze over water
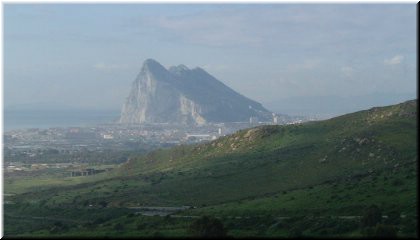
<point x="20" y="119"/>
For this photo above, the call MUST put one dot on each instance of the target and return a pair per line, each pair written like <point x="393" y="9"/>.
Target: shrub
<point x="371" y="216"/>
<point x="397" y="182"/>
<point x="385" y="231"/>
<point x="394" y="217"/>
<point x="118" y="227"/>
<point x="380" y="231"/>
<point x="99" y="220"/>
<point x="295" y="232"/>
<point x="409" y="226"/>
<point x="157" y="234"/>
<point x="58" y="227"/>
<point x="103" y="204"/>
<point x="208" y="227"/>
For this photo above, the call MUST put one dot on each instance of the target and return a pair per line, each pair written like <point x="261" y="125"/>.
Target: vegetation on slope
<point x="337" y="167"/>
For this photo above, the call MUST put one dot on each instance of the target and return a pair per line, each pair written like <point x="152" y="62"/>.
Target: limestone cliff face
<point x="189" y="108"/>
<point x="184" y="96"/>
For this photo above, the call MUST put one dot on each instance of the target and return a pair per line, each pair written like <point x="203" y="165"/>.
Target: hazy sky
<point x="89" y="54"/>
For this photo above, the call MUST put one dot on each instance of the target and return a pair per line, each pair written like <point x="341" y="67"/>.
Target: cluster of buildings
<point x="112" y="136"/>
<point x="35" y="143"/>
<point x="87" y="171"/>
<point x="19" y="166"/>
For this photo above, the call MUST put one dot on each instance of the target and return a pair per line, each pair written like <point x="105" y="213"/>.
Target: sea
<point x="43" y="119"/>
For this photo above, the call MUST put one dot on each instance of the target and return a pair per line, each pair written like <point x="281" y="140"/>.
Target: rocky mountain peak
<point x="181" y="95"/>
<point x="151" y="65"/>
<point x="152" y="69"/>
<point x="179" y="69"/>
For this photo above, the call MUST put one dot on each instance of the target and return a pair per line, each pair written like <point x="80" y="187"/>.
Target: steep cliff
<point x="185" y="96"/>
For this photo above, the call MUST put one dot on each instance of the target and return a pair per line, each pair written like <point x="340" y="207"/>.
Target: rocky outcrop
<point x="185" y="96"/>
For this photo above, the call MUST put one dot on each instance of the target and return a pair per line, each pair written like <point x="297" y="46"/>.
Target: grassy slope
<point x="335" y="166"/>
<point x="272" y="159"/>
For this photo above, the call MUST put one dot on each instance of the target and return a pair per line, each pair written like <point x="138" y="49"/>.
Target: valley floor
<point x="316" y="211"/>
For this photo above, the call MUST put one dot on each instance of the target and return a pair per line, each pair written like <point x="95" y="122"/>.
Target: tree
<point x="119" y="227"/>
<point x="58" y="227"/>
<point x="372" y="216"/>
<point x="295" y="232"/>
<point x="394" y="217"/>
<point x="385" y="231"/>
<point x="208" y="227"/>
<point x="103" y="204"/>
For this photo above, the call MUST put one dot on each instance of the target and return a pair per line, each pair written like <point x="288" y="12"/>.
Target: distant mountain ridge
<point x="185" y="96"/>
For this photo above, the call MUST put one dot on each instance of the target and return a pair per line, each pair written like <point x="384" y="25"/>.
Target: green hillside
<point x="336" y="167"/>
<point x="272" y="159"/>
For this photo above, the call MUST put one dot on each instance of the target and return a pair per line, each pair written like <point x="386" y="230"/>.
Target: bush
<point x="371" y="216"/>
<point x="385" y="231"/>
<point x="208" y="227"/>
<point x="119" y="227"/>
<point x="295" y="232"/>
<point x="58" y="227"/>
<point x="394" y="217"/>
<point x="397" y="182"/>
<point x="99" y="220"/>
<point x="409" y="226"/>
<point x="103" y="204"/>
<point x="380" y="231"/>
<point x="344" y="226"/>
